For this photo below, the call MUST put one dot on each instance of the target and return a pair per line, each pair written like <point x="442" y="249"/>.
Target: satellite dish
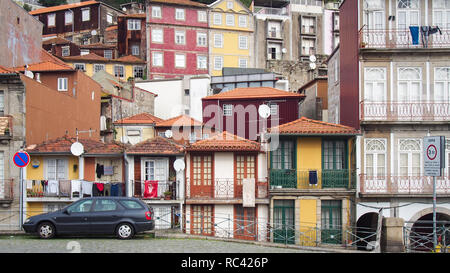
<point x="312" y="66"/>
<point x="312" y="58"/>
<point x="29" y="74"/>
<point x="94" y="32"/>
<point x="264" y="111"/>
<point x="179" y="165"/>
<point x="168" y="133"/>
<point x="77" y="148"/>
<point x="284" y="50"/>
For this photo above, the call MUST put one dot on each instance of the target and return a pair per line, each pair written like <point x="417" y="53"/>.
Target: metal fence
<point x="418" y="236"/>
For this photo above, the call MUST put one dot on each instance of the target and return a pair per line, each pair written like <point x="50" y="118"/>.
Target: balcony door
<point x="375" y="165"/>
<point x="201" y="184"/>
<point x="375" y="93"/>
<point x="410" y="166"/>
<point x="283" y="170"/>
<point x="374" y="19"/>
<point x="284" y="221"/>
<point x="408" y="14"/>
<point x="245" y="223"/>
<point x="441" y="105"/>
<point x="334" y="164"/>
<point x="245" y="167"/>
<point x="409" y="93"/>
<point x="155" y="169"/>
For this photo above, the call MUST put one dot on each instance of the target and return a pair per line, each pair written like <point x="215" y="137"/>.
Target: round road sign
<point x="431" y="152"/>
<point x="21" y="159"/>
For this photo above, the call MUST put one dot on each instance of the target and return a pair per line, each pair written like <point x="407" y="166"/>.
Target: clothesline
<point x="73" y="188"/>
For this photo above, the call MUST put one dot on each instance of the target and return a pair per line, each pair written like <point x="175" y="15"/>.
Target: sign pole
<point x="434" y="214"/>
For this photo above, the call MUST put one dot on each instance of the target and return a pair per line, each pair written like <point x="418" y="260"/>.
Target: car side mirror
<point x="67" y="212"/>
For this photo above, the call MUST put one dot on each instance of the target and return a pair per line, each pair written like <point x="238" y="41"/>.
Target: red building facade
<point x="177" y="35"/>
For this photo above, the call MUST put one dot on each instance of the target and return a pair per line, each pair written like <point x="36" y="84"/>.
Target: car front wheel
<point x="125" y="231"/>
<point x="46" y="230"/>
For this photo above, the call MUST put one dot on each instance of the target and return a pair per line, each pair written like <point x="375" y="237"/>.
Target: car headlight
<point x="28" y="221"/>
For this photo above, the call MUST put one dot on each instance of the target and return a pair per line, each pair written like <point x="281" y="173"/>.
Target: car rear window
<point x="131" y="204"/>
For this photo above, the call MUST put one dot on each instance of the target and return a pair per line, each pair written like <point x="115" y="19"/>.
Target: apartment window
<point x="119" y="71"/>
<point x="2" y="168"/>
<point x="218" y="40"/>
<point x="282" y="158"/>
<point x="68" y="17"/>
<point x="2" y="101"/>
<point x="242" y="21"/>
<point x="81" y="67"/>
<point x="217" y="18"/>
<point x="308" y="25"/>
<point x="230" y="4"/>
<point x="230" y="20"/>
<point x="135" y="50"/>
<point x="84" y="52"/>
<point x="202" y="170"/>
<point x="408" y="13"/>
<point x="227" y="110"/>
<point x="51" y="20"/>
<point x="180" y="37"/>
<point x="57" y="169"/>
<point x="243" y="42"/>
<point x="274" y="29"/>
<point x="331" y="220"/>
<point x="157" y="59"/>
<point x="134" y="24"/>
<point x="409" y="83"/>
<point x="375" y="150"/>
<point x="179" y="14"/>
<point x="201" y="39"/>
<point x="157" y="35"/>
<point x="201" y="15"/>
<point x="218" y="63"/>
<point x="134" y="136"/>
<point x="334" y="155"/>
<point x="308" y="46"/>
<point x="108" y="54"/>
<point x="441" y="13"/>
<point x="442" y="84"/>
<point x="63" y="84"/>
<point x="85" y="15"/>
<point x="245" y="166"/>
<point x="274" y="51"/>
<point x="138" y="72"/>
<point x="201" y="62"/>
<point x="65" y="51"/>
<point x="98" y="67"/>
<point x="180" y="60"/>
<point x="374" y="84"/>
<point x="109" y="18"/>
<point x="273" y="109"/>
<point x="410" y="154"/>
<point x="156" y="12"/>
<point x="243" y="63"/>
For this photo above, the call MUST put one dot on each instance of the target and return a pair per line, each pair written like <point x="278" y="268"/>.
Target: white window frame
<point x="101" y="66"/>
<point x="229" y="20"/>
<point x="230" y="5"/>
<point x="218" y="60"/>
<point x="135" y="67"/>
<point x="156" y="34"/>
<point x="134" y="24"/>
<point x="109" y="18"/>
<point x="108" y="53"/>
<point x="273" y="109"/>
<point x="63" y="84"/>
<point x="61" y="168"/>
<point x="243" y="42"/>
<point x="84" y="52"/>
<point x="68" y="17"/>
<point x="178" y="13"/>
<point x="242" y="21"/>
<point x="217" y="19"/>
<point x="180" y="37"/>
<point x="409" y="83"/>
<point x="2" y="101"/>
<point x="410" y="153"/>
<point x="218" y="40"/>
<point x="156" y="12"/>
<point x="243" y="63"/>
<point x="117" y="69"/>
<point x="202" y="39"/>
<point x="444" y="81"/>
<point x="202" y="62"/>
<point x="202" y="16"/>
<point x="85" y="14"/>
<point x="161" y="55"/>
<point x="375" y="147"/>
<point x="228" y="110"/>
<point x="177" y="64"/>
<point x="80" y="65"/>
<point x="51" y="20"/>
<point x="374" y="83"/>
<point x="135" y="50"/>
<point x="160" y="170"/>
<point x="65" y="51"/>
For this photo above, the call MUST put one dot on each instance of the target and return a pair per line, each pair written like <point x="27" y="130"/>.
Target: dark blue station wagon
<point x="120" y="216"/>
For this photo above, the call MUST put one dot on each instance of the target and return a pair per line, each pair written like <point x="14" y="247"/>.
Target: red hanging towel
<point x="151" y="189"/>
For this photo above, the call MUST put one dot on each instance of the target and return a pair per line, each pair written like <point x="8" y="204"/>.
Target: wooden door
<point x="245" y="223"/>
<point x="201" y="183"/>
<point x="245" y="167"/>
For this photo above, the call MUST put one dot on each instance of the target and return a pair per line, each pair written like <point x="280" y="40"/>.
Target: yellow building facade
<point x="231" y="36"/>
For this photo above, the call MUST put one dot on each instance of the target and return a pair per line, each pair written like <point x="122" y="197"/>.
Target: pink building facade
<point x="177" y="43"/>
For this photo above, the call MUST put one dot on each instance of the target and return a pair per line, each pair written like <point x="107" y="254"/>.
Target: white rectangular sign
<point x="248" y="192"/>
<point x="433" y="155"/>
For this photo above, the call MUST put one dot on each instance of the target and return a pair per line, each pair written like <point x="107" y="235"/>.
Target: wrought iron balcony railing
<point x="403" y="185"/>
<point x="312" y="179"/>
<point x="405" y="111"/>
<point x="6" y="189"/>
<point x="168" y="190"/>
<point x="402" y="39"/>
<point x="222" y="189"/>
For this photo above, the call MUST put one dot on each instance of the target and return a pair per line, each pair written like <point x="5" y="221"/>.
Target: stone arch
<point x="426" y="211"/>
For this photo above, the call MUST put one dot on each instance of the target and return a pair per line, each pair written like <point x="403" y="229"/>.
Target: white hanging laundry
<point x="75" y="188"/>
<point x="53" y="187"/>
<point x="86" y="188"/>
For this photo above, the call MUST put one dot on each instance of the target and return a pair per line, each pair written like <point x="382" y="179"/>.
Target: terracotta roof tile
<point x="56" y="41"/>
<point x="179" y="121"/>
<point x="4" y="70"/>
<point x="253" y="93"/>
<point x="45" y="66"/>
<point x="225" y="142"/>
<point x="97" y="46"/>
<point x="62" y="7"/>
<point x="156" y="146"/>
<point x="142" y="118"/>
<point x="129" y="59"/>
<point x="45" y="56"/>
<point x="311" y="127"/>
<point x="179" y="2"/>
<point x="88" y="57"/>
<point x="63" y="144"/>
<point x="136" y="15"/>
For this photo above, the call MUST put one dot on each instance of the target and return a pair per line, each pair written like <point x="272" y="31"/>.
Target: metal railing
<point x="312" y="179"/>
<point x="167" y="190"/>
<point x="7" y="189"/>
<point x="419" y="236"/>
<point x="399" y="184"/>
<point x="272" y="11"/>
<point x="401" y="38"/>
<point x="223" y="188"/>
<point x="405" y="111"/>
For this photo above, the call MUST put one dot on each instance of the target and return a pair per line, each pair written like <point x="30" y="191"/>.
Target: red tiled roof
<point x="254" y="93"/>
<point x="56" y="41"/>
<point x="45" y="66"/>
<point x="225" y="142"/>
<point x="4" y="70"/>
<point x="136" y="15"/>
<point x="142" y="118"/>
<point x="62" y="7"/>
<point x="179" y="121"/>
<point x="308" y="126"/>
<point x="111" y="27"/>
<point x="88" y="57"/>
<point x="156" y="146"/>
<point x="179" y="2"/>
<point x="63" y="144"/>
<point x="129" y="59"/>
<point x="45" y="56"/>
<point x="97" y="46"/>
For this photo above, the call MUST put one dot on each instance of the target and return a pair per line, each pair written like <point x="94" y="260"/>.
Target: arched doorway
<point x="421" y="235"/>
<point x="366" y="232"/>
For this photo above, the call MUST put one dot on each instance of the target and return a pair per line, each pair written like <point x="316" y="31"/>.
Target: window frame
<point x="179" y="11"/>
<point x="83" y="14"/>
<point x="63" y="84"/>
<point x="153" y="58"/>
<point x="156" y="12"/>
<point x="122" y="70"/>
<point x="228" y="110"/>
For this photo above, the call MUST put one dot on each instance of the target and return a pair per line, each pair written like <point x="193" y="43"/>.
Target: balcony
<point x="272" y="11"/>
<point x="6" y="127"/>
<point x="400" y="39"/>
<point x="312" y="179"/>
<point x="274" y="34"/>
<point x="157" y="190"/>
<point x="403" y="185"/>
<point x="405" y="111"/>
<point x="224" y="189"/>
<point x="6" y="190"/>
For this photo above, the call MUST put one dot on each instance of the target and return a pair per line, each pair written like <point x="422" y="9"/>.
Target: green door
<point x="282" y="165"/>
<point x="334" y="164"/>
<point x="283" y="222"/>
<point x="331" y="221"/>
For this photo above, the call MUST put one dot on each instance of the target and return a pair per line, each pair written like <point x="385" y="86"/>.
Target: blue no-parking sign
<point x="21" y="159"/>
